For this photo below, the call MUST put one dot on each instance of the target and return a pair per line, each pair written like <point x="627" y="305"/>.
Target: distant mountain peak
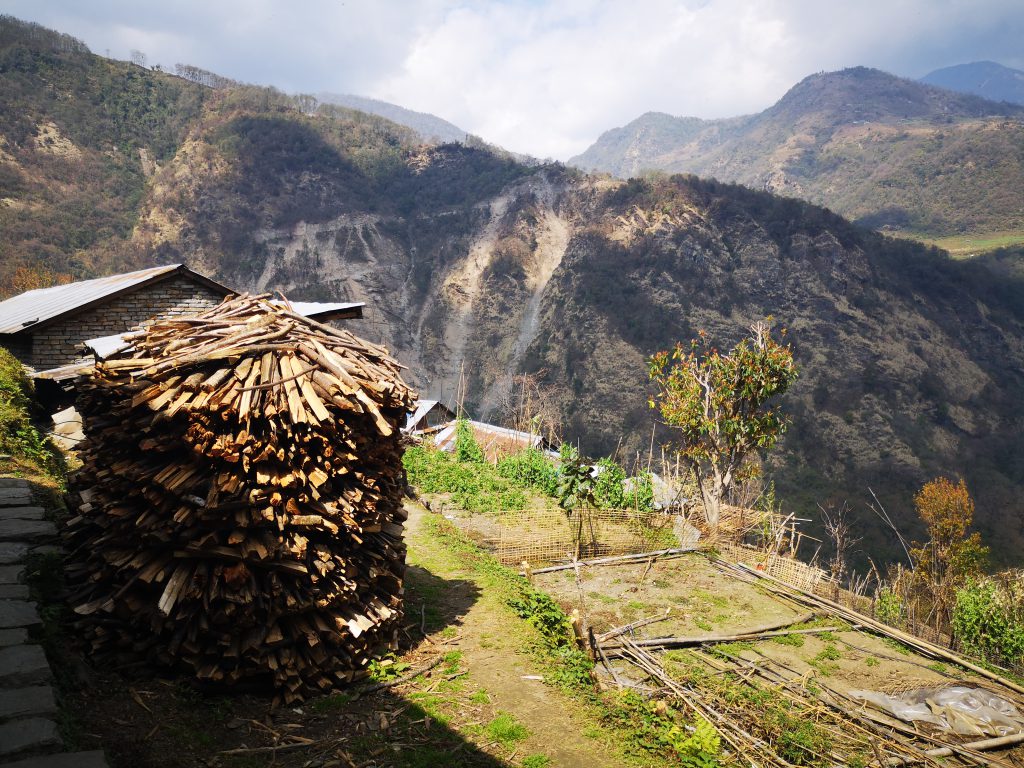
<point x="987" y="79"/>
<point x="430" y="128"/>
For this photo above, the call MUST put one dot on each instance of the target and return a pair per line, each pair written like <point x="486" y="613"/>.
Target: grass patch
<point x="796" y="641"/>
<point x="506" y="730"/>
<point x="536" y="761"/>
<point x="965" y="246"/>
<point x="897" y="646"/>
<point x="480" y="697"/>
<point x="824" y="662"/>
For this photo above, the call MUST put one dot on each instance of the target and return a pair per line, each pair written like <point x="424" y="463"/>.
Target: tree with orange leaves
<point x="951" y="555"/>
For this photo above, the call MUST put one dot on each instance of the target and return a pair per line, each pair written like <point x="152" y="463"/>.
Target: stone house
<point x="47" y="328"/>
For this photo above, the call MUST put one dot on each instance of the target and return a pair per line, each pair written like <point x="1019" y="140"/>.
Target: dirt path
<point x="491" y="645"/>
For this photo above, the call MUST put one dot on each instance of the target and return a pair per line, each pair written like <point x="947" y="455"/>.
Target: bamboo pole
<point x="929" y="649"/>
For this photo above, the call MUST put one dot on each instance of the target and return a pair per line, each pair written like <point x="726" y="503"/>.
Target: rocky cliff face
<point x="909" y="361"/>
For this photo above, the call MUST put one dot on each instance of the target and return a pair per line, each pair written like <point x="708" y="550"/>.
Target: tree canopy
<point x="719" y="403"/>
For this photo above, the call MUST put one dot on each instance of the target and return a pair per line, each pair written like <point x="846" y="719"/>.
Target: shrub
<point x="466" y="448"/>
<point x="530" y="469"/>
<point x="988" y="618"/>
<point x="18" y="436"/>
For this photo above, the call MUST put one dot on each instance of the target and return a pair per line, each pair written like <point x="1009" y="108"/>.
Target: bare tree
<point x="138" y="58"/>
<point x="836" y="522"/>
<point x="529" y="406"/>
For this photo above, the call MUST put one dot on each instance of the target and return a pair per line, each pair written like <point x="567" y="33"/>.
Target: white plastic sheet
<point x="959" y="709"/>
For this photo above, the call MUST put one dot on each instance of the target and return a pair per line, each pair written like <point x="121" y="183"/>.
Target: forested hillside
<point x="473" y="264"/>
<point x="884" y="151"/>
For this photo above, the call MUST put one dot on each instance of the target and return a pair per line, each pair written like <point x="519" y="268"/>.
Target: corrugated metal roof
<point x="494" y="441"/>
<point x="318" y="310"/>
<point x="28" y="309"/>
<point x="105" y="346"/>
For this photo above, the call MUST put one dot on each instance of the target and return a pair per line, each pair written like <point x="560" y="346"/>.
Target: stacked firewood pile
<point x="239" y="508"/>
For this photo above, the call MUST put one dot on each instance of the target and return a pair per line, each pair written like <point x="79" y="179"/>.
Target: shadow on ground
<point x="143" y="720"/>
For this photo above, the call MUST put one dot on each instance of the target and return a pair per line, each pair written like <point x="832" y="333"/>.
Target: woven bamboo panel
<point x="543" y="536"/>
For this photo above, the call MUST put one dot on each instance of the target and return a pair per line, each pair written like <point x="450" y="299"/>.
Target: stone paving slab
<point x="24" y="702"/>
<point x="12" y="552"/>
<point x="13" y="592"/>
<point x="11" y="574"/>
<point x="21" y="513"/>
<point x="22" y="665"/>
<point x="26" y="530"/>
<point x="16" y="636"/>
<point x="13" y="482"/>
<point x="17" y="613"/>
<point x="64" y="760"/>
<point x="35" y="733"/>
<point x="12" y="497"/>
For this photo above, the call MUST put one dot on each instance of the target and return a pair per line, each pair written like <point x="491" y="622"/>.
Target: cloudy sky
<point x="544" y="76"/>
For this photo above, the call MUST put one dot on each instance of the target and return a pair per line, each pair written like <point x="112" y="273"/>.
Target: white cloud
<point x="546" y="76"/>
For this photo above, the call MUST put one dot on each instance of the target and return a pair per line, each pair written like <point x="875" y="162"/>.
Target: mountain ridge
<point x="430" y="128"/>
<point x="883" y="150"/>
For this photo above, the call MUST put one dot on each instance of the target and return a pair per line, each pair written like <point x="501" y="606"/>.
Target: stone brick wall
<point x="61" y="343"/>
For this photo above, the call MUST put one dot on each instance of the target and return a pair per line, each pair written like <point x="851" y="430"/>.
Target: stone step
<point x="13" y="497"/>
<point x="13" y="482"/>
<point x="26" y="530"/>
<point x="13" y="591"/>
<point x="24" y="702"/>
<point x="18" y="613"/>
<point x="12" y="574"/>
<point x="12" y="552"/>
<point x="21" y="513"/>
<point x="22" y="665"/>
<point x="63" y="760"/>
<point x="34" y="733"/>
<point x="16" y="636"/>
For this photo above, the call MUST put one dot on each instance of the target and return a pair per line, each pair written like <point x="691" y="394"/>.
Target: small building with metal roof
<point x="429" y="415"/>
<point x="495" y="442"/>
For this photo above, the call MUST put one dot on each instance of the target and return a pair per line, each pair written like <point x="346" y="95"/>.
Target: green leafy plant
<point x="576" y="481"/>
<point x="889" y="607"/>
<point x="530" y="468"/>
<point x="608" y="485"/>
<point x="475" y="487"/>
<point x="988" y="618"/>
<point x="466" y="448"/>
<point x="19" y="437"/>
